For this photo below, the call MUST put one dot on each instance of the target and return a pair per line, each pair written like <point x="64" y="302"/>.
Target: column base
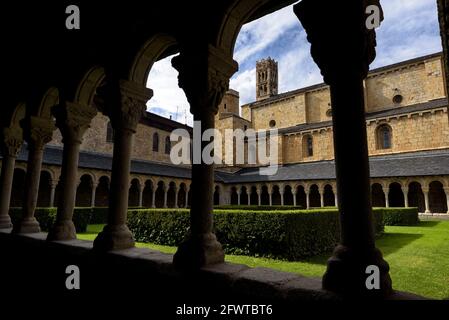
<point x="346" y="273"/>
<point x="27" y="225"/>
<point x="198" y="251"/>
<point x="5" y="222"/>
<point x="61" y="231"/>
<point x="114" y="238"/>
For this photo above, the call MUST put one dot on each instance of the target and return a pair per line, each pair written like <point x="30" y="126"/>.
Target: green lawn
<point x="418" y="257"/>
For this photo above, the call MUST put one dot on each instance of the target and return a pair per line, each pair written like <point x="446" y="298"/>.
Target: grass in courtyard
<point x="418" y="257"/>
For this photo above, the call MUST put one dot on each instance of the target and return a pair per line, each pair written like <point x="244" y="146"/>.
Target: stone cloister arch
<point x="102" y="192"/>
<point x="84" y="191"/>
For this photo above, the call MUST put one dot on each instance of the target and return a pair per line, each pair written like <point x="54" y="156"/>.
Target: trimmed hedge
<point x="256" y="207"/>
<point x="399" y="216"/>
<point x="47" y="216"/>
<point x="282" y="234"/>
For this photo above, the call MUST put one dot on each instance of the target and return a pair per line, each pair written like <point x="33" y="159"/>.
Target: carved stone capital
<point x="204" y="77"/>
<point x="125" y="104"/>
<point x="73" y="120"/>
<point x="40" y="131"/>
<point x="341" y="43"/>
<point x="13" y="140"/>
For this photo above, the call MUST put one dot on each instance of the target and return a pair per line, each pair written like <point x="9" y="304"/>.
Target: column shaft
<point x="52" y="193"/>
<point x="64" y="229"/>
<point x="28" y="223"/>
<point x="165" y="197"/>
<point x="93" y="195"/>
<point x="426" y="200"/>
<point x="7" y="176"/>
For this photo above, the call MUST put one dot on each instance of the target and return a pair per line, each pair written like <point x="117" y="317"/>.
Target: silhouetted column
<point x="343" y="48"/>
<point x="239" y="192"/>
<point x="335" y="196"/>
<point x="53" y="185"/>
<point x="425" y="191"/>
<point x="94" y="194"/>
<point x="259" y="195"/>
<point x="125" y="104"/>
<point x="73" y="120"/>
<point x="294" y="192"/>
<point x="204" y="73"/>
<point x="281" y="192"/>
<point x="38" y="132"/>
<point x="13" y="139"/>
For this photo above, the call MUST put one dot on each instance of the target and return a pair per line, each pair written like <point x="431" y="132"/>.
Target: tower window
<point x="329" y="113"/>
<point x="167" y="145"/>
<point x="307" y="144"/>
<point x="384" y="137"/>
<point x="109" y="133"/>
<point x="225" y="106"/>
<point x="155" y="142"/>
<point x="272" y="123"/>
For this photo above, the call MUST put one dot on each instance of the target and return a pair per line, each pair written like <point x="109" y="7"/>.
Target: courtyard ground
<point x="418" y="257"/>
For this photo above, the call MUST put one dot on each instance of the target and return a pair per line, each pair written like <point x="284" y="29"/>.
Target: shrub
<point x="399" y="216"/>
<point x="282" y="234"/>
<point x="255" y="207"/>
<point x="47" y="216"/>
<point x="99" y="215"/>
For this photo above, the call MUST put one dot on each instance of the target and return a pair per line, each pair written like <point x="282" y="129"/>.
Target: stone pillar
<point x="386" y="191"/>
<point x="270" y="194"/>
<point x="425" y="191"/>
<point x="176" y="197"/>
<point x="307" y="192"/>
<point x="294" y="192"/>
<point x="94" y="194"/>
<point x="239" y="192"/>
<point x="53" y="185"/>
<point x="125" y="104"/>
<point x="165" y="189"/>
<point x="335" y="197"/>
<point x="153" y="197"/>
<point x="38" y="132"/>
<point x="141" y="195"/>
<point x="446" y="191"/>
<point x="204" y="73"/>
<point x="321" y="191"/>
<point x="13" y="139"/>
<point x="281" y="192"/>
<point x="72" y="120"/>
<point x="259" y="195"/>
<point x="343" y="49"/>
<point x="405" y="192"/>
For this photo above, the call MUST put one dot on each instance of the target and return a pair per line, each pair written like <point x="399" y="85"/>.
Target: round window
<point x="397" y="99"/>
<point x="329" y="113"/>
<point x="272" y="123"/>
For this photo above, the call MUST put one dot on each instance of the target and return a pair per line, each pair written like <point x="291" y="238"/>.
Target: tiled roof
<point x="424" y="163"/>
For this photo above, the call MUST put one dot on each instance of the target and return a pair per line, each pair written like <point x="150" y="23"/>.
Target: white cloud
<point x="259" y="34"/>
<point x="168" y="98"/>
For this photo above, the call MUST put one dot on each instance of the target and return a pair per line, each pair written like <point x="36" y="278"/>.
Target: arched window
<point x="167" y="145"/>
<point x="384" y="137"/>
<point x="307" y="145"/>
<point x="155" y="142"/>
<point x="109" y="133"/>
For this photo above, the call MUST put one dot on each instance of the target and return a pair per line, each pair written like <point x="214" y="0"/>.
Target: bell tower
<point x="266" y="78"/>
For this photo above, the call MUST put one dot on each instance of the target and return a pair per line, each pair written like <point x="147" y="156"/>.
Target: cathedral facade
<point x="408" y="138"/>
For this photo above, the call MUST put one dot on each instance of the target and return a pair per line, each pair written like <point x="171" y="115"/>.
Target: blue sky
<point x="410" y="30"/>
